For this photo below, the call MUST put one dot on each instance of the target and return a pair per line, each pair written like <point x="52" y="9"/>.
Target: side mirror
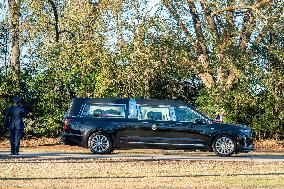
<point x="200" y="121"/>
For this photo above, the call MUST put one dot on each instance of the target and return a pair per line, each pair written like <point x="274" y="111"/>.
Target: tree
<point x="4" y="46"/>
<point x="238" y="54"/>
<point x="14" y="8"/>
<point x="219" y="33"/>
<point x="221" y="55"/>
<point x="65" y="47"/>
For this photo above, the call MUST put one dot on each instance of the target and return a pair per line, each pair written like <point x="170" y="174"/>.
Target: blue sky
<point x="2" y="9"/>
<point x="150" y="9"/>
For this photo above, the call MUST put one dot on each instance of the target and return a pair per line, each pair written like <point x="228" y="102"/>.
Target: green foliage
<point x="258" y="107"/>
<point x="125" y="49"/>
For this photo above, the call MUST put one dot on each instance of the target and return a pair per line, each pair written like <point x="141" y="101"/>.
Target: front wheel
<point x="100" y="143"/>
<point x="224" y="146"/>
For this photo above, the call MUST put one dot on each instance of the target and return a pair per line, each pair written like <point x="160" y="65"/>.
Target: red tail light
<point x="66" y="123"/>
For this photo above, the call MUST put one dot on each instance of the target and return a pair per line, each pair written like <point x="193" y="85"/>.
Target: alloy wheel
<point x="224" y="146"/>
<point x="99" y="143"/>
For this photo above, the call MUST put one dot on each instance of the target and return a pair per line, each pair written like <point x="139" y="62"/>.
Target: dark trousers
<point x="15" y="136"/>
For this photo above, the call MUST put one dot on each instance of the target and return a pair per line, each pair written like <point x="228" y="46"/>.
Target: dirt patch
<point x="42" y="145"/>
<point x="269" y="145"/>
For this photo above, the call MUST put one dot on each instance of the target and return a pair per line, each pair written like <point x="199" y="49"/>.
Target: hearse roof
<point x="126" y="101"/>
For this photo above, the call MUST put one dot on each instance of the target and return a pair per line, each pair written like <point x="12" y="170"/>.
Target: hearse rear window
<point x="154" y="113"/>
<point x="104" y="110"/>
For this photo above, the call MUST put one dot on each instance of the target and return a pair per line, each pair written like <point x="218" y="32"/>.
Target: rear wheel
<point x="224" y="146"/>
<point x="100" y="143"/>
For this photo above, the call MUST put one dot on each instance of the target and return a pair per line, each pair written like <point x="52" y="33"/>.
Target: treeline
<point x="222" y="56"/>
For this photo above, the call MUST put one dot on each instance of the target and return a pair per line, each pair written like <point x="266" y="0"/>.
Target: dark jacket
<point x="13" y="117"/>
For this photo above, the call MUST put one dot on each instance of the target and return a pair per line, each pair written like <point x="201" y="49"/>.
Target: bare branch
<point x="233" y="8"/>
<point x="203" y="58"/>
<point x="180" y="23"/>
<point x="248" y="25"/>
<point x="197" y="27"/>
<point x="210" y="20"/>
<point x="242" y="8"/>
<point x="56" y="24"/>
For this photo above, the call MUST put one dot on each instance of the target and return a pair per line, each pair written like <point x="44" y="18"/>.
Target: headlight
<point x="245" y="130"/>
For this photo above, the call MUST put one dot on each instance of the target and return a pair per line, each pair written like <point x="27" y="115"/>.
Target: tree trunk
<point x="6" y="43"/>
<point x="205" y="75"/>
<point x="56" y="20"/>
<point x="14" y="7"/>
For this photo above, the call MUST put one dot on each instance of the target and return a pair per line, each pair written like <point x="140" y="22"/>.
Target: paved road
<point x="146" y="157"/>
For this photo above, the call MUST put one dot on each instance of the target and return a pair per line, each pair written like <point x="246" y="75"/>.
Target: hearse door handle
<point x="145" y="122"/>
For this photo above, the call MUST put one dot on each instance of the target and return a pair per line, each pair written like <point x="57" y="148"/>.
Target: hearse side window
<point x="154" y="113"/>
<point x="184" y="114"/>
<point x="104" y="111"/>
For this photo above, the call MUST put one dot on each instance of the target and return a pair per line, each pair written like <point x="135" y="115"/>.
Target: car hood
<point x="239" y="127"/>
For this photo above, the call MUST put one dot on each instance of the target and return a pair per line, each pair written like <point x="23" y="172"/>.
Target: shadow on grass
<point x="139" y="177"/>
<point x="75" y="157"/>
<point x="71" y="157"/>
<point x="54" y="144"/>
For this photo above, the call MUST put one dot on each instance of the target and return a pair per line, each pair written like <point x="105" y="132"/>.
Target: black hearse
<point x="103" y="125"/>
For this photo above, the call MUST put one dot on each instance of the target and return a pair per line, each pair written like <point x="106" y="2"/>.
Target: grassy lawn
<point x="107" y="173"/>
<point x="127" y="174"/>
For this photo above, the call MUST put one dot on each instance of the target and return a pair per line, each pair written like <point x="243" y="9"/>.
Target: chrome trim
<point x="81" y="110"/>
<point x="165" y="143"/>
<point x="189" y="144"/>
<point x="245" y="141"/>
<point x="168" y="139"/>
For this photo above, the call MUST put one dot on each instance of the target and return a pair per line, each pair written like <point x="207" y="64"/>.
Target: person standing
<point x="14" y="121"/>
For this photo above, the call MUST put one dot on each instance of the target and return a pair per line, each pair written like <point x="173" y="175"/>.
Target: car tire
<point x="100" y="143"/>
<point x="224" y="145"/>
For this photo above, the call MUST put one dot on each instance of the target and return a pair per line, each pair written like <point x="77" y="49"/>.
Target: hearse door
<point x="125" y="132"/>
<point x="155" y="134"/>
<point x="188" y="135"/>
<point x="190" y="131"/>
<point x="171" y="135"/>
<point x="153" y="128"/>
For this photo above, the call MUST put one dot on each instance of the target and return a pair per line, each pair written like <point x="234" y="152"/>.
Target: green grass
<point x="127" y="174"/>
<point x="44" y="172"/>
